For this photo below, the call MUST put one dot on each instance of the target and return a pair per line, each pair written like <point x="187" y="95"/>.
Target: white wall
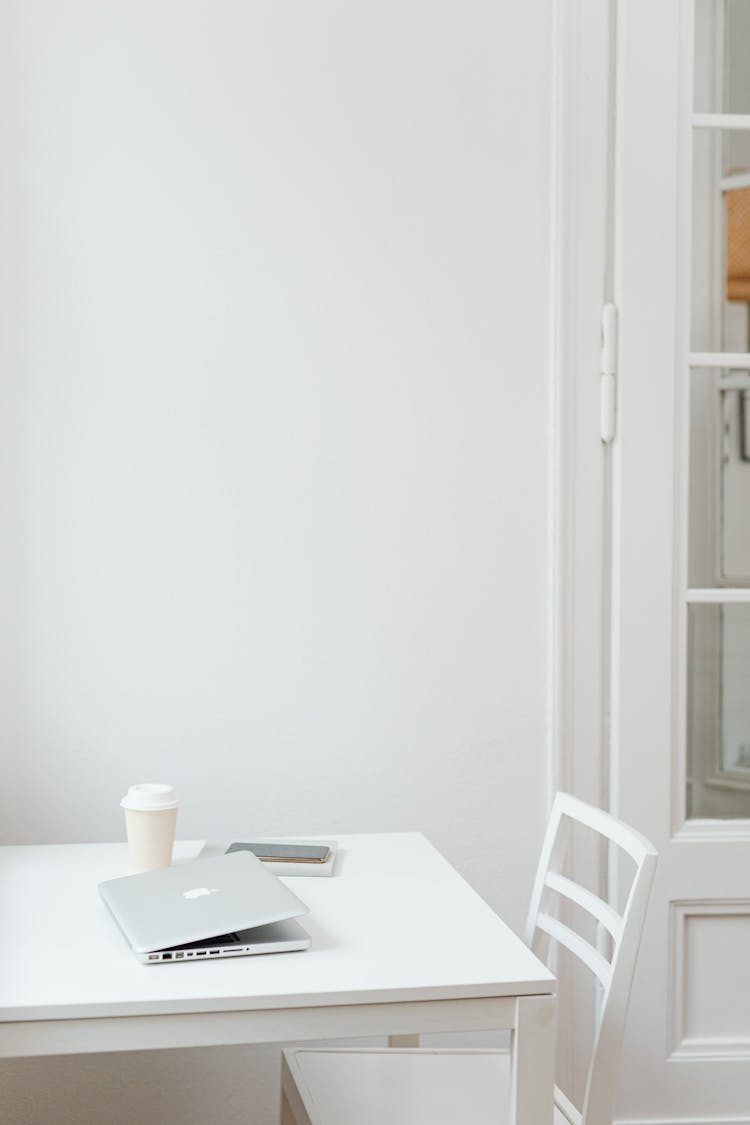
<point x="274" y="444"/>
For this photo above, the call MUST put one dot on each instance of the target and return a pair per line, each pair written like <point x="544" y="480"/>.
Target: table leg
<point x="533" y="1061"/>
<point x="403" y="1040"/>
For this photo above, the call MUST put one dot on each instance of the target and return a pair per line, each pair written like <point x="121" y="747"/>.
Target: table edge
<point x="497" y="991"/>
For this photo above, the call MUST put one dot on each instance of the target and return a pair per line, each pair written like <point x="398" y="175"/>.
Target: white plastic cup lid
<point x="149" y="797"/>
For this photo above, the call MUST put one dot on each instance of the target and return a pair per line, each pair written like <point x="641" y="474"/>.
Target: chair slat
<point x="566" y="1107"/>
<point x="590" y="902"/>
<point x="577" y="945"/>
<point x="632" y="842"/>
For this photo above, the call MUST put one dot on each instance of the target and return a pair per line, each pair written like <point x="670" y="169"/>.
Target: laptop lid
<point x="191" y="901"/>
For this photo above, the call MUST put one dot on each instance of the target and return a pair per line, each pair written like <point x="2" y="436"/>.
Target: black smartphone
<point x="284" y="853"/>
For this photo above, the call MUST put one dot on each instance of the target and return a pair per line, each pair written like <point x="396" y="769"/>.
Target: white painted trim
<point x="681" y="1046"/>
<point x="555" y="468"/>
<point x="721" y="121"/>
<point x="684" y="1121"/>
<point x="735" y="181"/>
<point x="583" y="124"/>
<point x="713" y="1050"/>
<point x="680" y="481"/>
<point x="730" y="831"/>
<point x="720" y="595"/>
<point x="583" y="142"/>
<point x="580" y="472"/>
<point x="740" y="360"/>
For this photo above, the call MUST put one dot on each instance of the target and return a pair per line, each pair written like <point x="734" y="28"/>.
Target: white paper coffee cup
<point x="150" y="819"/>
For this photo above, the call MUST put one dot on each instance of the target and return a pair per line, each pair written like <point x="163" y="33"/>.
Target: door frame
<point x="602" y="600"/>
<point x="583" y="131"/>
<point x="582" y="186"/>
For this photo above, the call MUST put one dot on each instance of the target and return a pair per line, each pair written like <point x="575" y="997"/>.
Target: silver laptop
<point x="226" y="906"/>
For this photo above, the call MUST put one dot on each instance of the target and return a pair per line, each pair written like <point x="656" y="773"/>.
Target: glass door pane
<point x="718" y="534"/>
<point x="722" y="84"/>
<point x="721" y="240"/>
<point x="719" y="499"/>
<point x="718" y="729"/>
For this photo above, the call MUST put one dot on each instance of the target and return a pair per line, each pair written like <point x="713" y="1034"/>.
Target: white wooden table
<point x="400" y="945"/>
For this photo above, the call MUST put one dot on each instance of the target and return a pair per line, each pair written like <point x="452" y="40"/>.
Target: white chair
<point x="391" y="1086"/>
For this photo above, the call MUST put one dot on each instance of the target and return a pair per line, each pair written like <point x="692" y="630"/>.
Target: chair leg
<point x="293" y="1108"/>
<point x="287" y="1115"/>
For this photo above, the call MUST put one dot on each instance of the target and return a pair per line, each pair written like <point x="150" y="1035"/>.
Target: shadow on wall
<point x="221" y="1085"/>
<point x="191" y="1087"/>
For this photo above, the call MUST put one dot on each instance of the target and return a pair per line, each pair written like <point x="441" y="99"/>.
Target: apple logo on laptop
<point x="196" y="892"/>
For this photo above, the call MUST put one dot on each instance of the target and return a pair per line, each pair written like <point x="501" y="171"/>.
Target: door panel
<point x="680" y="579"/>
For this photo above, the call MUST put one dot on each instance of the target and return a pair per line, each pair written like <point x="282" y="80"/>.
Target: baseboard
<point x="685" y="1121"/>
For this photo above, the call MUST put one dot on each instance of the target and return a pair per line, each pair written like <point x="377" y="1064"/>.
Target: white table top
<point x="395" y="922"/>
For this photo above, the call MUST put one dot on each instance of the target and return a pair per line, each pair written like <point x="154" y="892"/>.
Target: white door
<point x="679" y="757"/>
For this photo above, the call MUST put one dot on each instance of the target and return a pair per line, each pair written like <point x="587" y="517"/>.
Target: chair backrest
<point x="615" y="975"/>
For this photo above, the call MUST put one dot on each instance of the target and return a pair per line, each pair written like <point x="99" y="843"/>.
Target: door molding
<point x="580" y="465"/>
<point x="582" y="180"/>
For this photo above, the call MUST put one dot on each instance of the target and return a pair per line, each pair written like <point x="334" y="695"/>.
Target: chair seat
<point x="434" y="1087"/>
<point x="399" y="1087"/>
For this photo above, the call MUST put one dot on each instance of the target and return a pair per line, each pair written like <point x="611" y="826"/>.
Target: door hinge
<point x="608" y="373"/>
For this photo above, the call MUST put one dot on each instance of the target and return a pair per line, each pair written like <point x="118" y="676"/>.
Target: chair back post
<point x="601" y="1086"/>
<point x="615" y="976"/>
<point x="551" y="857"/>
